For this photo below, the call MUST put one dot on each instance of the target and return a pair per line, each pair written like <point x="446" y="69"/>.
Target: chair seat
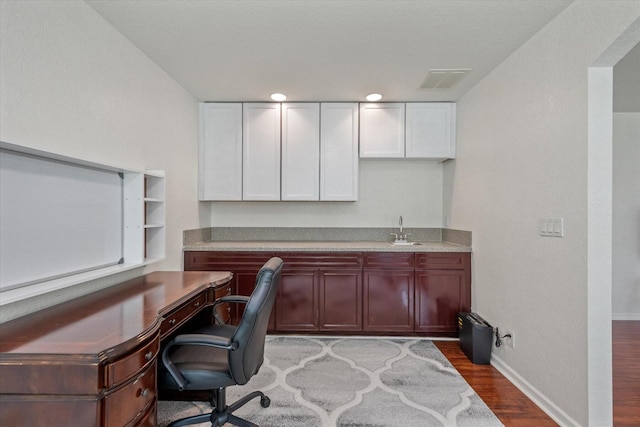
<point x="201" y="366"/>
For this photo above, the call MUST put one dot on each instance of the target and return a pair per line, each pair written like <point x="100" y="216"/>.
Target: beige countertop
<point x="325" y="246"/>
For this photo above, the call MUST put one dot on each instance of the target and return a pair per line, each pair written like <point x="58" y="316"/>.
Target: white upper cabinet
<point x="220" y="157"/>
<point x="424" y="130"/>
<point x="339" y="151"/>
<point x="382" y="130"/>
<point x="300" y="151"/>
<point x="431" y="130"/>
<point x="261" y="146"/>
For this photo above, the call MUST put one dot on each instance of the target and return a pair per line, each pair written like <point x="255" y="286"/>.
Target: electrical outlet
<point x="509" y="339"/>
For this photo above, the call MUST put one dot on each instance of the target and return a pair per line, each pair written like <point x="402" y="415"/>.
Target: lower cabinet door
<point x="440" y="295"/>
<point x="340" y="300"/>
<point x="388" y="300"/>
<point x="297" y="304"/>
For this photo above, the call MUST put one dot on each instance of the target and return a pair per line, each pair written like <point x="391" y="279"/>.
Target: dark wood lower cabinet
<point x="298" y="302"/>
<point x="371" y="292"/>
<point x="320" y="292"/>
<point x="340" y="300"/>
<point x="440" y="295"/>
<point x="388" y="300"/>
<point x="443" y="288"/>
<point x="388" y="292"/>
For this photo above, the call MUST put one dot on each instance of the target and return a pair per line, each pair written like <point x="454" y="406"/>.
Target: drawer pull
<point x="149" y="355"/>
<point x="172" y="321"/>
<point x="145" y="392"/>
<point x="196" y="304"/>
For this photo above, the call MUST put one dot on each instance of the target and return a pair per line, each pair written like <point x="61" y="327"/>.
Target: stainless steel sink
<point x="405" y="243"/>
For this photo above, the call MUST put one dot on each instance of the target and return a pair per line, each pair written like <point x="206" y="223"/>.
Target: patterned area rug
<point x="352" y="381"/>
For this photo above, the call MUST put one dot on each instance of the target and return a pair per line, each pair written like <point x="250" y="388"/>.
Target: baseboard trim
<point x="550" y="408"/>
<point x="626" y="316"/>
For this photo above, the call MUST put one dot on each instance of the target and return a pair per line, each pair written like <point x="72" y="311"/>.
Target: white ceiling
<point x="325" y="50"/>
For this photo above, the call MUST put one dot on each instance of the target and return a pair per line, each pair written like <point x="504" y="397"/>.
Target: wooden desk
<point x="92" y="361"/>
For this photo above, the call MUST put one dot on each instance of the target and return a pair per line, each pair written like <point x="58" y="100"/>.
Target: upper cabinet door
<point x="220" y="158"/>
<point x="300" y="151"/>
<point x="431" y="130"/>
<point x="382" y="130"/>
<point x="339" y="151"/>
<point x="261" y="145"/>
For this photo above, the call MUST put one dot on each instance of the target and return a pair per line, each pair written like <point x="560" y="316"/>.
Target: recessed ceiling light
<point x="278" y="97"/>
<point x="373" y="97"/>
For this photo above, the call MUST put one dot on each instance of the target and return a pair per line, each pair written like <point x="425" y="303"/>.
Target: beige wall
<point x="522" y="156"/>
<point x="387" y="189"/>
<point x="71" y="84"/>
<point x="626" y="216"/>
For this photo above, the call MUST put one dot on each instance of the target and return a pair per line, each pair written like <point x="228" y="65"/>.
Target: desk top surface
<point x="105" y="319"/>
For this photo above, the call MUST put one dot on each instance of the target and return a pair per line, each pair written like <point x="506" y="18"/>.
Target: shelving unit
<point x="154" y="216"/>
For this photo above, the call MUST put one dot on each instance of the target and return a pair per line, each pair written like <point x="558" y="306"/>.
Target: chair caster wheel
<point x="265" y="402"/>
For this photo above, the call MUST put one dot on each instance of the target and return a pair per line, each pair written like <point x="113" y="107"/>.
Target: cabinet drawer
<point x="131" y="401"/>
<point x="388" y="260"/>
<point x="443" y="261"/>
<point x="126" y="367"/>
<point x="212" y="260"/>
<point x="177" y="317"/>
<point x="293" y="260"/>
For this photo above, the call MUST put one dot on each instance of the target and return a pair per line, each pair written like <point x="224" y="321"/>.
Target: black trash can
<point x="475" y="336"/>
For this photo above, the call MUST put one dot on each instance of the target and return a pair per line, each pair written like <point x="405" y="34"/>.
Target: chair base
<point x="222" y="413"/>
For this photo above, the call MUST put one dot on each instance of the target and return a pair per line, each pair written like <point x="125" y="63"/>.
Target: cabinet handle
<point x="149" y="355"/>
<point x="145" y="392"/>
<point x="197" y="304"/>
<point x="172" y="321"/>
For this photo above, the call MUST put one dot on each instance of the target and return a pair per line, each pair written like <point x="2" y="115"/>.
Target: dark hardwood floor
<point x="626" y="373"/>
<point x="509" y="404"/>
<point x="513" y="408"/>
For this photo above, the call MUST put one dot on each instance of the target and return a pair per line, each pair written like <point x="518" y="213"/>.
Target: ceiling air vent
<point x="443" y="79"/>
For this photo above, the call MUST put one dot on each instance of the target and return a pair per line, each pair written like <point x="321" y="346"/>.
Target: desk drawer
<point x="180" y="315"/>
<point x="126" y="367"/>
<point x="132" y="400"/>
<point x="223" y="310"/>
<point x="149" y="419"/>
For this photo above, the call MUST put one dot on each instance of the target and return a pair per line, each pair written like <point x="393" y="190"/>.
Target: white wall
<point x="71" y="84"/>
<point x="626" y="216"/>
<point x="522" y="156"/>
<point x="387" y="189"/>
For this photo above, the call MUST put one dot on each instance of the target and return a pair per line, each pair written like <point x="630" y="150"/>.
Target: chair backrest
<point x="250" y="334"/>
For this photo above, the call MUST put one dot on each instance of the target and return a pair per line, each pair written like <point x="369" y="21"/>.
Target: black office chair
<point x="215" y="357"/>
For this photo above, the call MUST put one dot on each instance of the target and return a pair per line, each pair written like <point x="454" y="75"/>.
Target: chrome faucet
<point x="401" y="237"/>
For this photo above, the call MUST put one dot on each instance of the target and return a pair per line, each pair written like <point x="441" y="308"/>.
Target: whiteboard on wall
<point x="57" y="218"/>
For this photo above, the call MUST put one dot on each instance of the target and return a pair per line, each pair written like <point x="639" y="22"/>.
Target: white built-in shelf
<point x="154" y="216"/>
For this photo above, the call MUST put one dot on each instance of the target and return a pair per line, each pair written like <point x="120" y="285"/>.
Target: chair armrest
<point x="228" y="299"/>
<point x="232" y="298"/>
<point x="193" y="339"/>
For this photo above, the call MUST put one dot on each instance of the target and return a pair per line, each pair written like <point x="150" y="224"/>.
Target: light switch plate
<point x="551" y="227"/>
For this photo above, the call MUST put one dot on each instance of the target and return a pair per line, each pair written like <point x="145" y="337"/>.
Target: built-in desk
<point x="92" y="361"/>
